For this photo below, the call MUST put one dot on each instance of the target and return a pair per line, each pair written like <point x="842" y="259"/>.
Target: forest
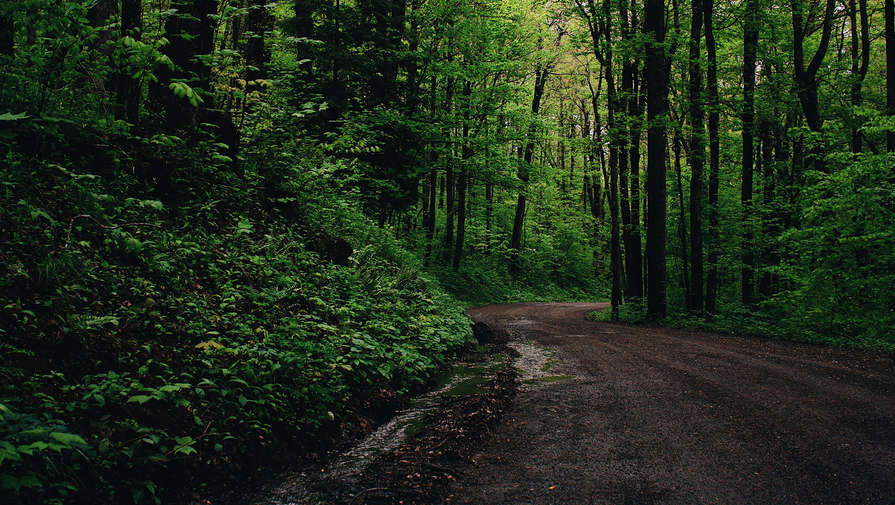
<point x="231" y="229"/>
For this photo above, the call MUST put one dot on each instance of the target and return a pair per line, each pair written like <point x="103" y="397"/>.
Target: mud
<point x="654" y="415"/>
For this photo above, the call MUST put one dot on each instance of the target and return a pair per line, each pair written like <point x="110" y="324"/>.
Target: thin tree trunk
<point x="430" y="216"/>
<point x="750" y="46"/>
<point x="572" y="158"/>
<point x="860" y="60"/>
<point x="682" y="224"/>
<point x="489" y="199"/>
<point x="697" y="156"/>
<point x="635" y="114"/>
<point x="527" y="155"/>
<point x="466" y="150"/>
<point x="711" y="285"/>
<point x="890" y="70"/>
<point x="620" y="136"/>
<point x="767" y="189"/>
<point x="449" y="174"/>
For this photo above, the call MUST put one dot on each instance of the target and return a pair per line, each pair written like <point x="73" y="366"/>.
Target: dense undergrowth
<point x="150" y="347"/>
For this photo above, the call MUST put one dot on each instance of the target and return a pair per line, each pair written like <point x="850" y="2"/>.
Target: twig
<point x="367" y="490"/>
<point x="191" y="442"/>
<point x="442" y="469"/>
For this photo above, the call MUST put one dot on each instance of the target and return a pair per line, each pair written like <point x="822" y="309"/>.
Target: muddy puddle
<point x="463" y="379"/>
<point x="536" y="365"/>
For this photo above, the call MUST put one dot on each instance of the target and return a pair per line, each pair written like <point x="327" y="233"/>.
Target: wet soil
<point x="602" y="413"/>
<point x="653" y="415"/>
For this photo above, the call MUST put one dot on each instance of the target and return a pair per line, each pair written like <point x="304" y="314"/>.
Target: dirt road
<point x="652" y="415"/>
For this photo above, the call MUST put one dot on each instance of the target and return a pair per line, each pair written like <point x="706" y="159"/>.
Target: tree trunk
<point x="697" y="156"/>
<point x="429" y="217"/>
<point x="767" y="189"/>
<point x="890" y="70"/>
<point x="654" y="28"/>
<point x="619" y="135"/>
<point x="461" y="179"/>
<point x="806" y="78"/>
<point x="449" y="174"/>
<point x="860" y="60"/>
<point x="190" y="33"/>
<point x="489" y="199"/>
<point x="635" y="113"/>
<point x="682" y="224"/>
<point x="527" y="155"/>
<point x="130" y="89"/>
<point x="711" y="285"/>
<point x="750" y="46"/>
<point x="7" y="34"/>
<point x="572" y="158"/>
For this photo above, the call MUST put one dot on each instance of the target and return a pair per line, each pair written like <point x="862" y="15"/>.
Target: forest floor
<point x="595" y="412"/>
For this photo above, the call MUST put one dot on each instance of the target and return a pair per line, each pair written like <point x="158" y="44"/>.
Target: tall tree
<point x="860" y="62"/>
<point x="429" y="216"/>
<point x="190" y="31"/>
<point x="750" y="48"/>
<point x="635" y="113"/>
<point x="806" y="77"/>
<point x="129" y="87"/>
<point x="890" y="70"/>
<point x="466" y="150"/>
<point x="654" y="28"/>
<point x="629" y="156"/>
<point x="527" y="154"/>
<point x="697" y="156"/>
<point x="449" y="171"/>
<point x="711" y="284"/>
<point x="7" y="31"/>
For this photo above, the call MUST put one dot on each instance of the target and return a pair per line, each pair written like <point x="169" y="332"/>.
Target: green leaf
<point x="8" y="116"/>
<point x="141" y="399"/>
<point x="33" y="447"/>
<point x="67" y="438"/>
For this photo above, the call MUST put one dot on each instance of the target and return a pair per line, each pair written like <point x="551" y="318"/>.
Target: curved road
<point x="654" y="415"/>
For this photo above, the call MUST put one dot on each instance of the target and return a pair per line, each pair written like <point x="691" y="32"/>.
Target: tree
<point x="654" y="29"/>
<point x="190" y="32"/>
<point x="7" y="32"/>
<point x="750" y="48"/>
<point x="129" y="88"/>
<point x="527" y="154"/>
<point x="860" y="62"/>
<point x="890" y="69"/>
<point x="466" y="156"/>
<point x="697" y="155"/>
<point x="711" y="285"/>
<point x="806" y="77"/>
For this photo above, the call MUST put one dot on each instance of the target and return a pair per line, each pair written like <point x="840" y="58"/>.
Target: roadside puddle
<point x="463" y="379"/>
<point x="537" y="365"/>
